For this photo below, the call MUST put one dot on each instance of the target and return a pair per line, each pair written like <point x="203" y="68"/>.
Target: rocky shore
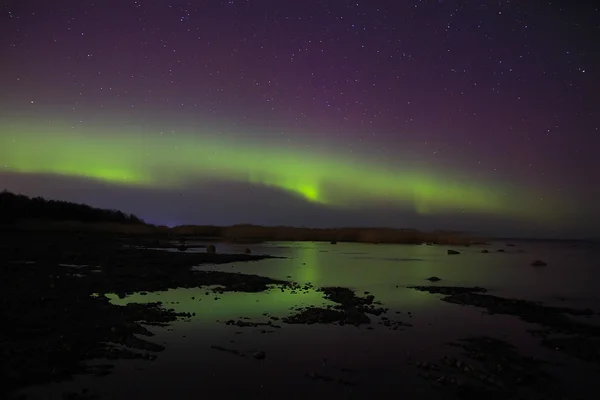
<point x="57" y="317"/>
<point x="55" y="314"/>
<point x="493" y="368"/>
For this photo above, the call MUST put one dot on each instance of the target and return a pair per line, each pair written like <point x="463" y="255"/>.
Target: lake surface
<point x="379" y="361"/>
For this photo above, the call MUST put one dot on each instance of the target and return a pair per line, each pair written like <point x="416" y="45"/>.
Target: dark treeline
<point x="14" y="207"/>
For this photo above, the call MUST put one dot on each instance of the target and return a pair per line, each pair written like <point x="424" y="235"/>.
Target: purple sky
<point x="505" y="90"/>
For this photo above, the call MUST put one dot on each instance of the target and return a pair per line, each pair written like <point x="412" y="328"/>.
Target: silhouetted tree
<point x="14" y="207"/>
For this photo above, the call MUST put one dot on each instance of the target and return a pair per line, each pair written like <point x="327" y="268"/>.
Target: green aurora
<point x="157" y="160"/>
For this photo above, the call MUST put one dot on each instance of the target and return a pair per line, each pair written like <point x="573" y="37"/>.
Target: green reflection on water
<point x="229" y="305"/>
<point x="311" y="260"/>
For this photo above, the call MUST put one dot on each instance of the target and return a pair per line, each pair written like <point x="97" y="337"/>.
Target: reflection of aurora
<point x="379" y="269"/>
<point x="308" y="272"/>
<point x="172" y="161"/>
<point x="230" y="305"/>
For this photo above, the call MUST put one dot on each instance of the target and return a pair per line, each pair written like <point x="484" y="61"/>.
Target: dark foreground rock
<point x="349" y="310"/>
<point x="489" y="368"/>
<point x="560" y="331"/>
<point x="449" y="290"/>
<point x="55" y="315"/>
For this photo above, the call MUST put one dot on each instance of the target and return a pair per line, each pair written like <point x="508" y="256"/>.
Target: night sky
<point x="469" y="115"/>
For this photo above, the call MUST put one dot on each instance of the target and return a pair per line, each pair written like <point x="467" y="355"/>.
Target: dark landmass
<point x="570" y="242"/>
<point x="18" y="212"/>
<point x="377" y="235"/>
<point x="558" y="331"/>
<point x="55" y="314"/>
<point x="15" y="207"/>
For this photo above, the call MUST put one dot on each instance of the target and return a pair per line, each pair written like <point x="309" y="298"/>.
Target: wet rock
<point x="538" y="263"/>
<point x="211" y="249"/>
<point x="74" y="321"/>
<point x="394" y="325"/>
<point x="559" y="331"/>
<point x="259" y="355"/>
<point x="434" y="279"/>
<point x="318" y="315"/>
<point x="491" y="369"/>
<point x="349" y="310"/>
<point x="226" y="350"/>
<point x="484" y="251"/>
<point x="449" y="290"/>
<point x="453" y="252"/>
<point x="241" y="323"/>
<point x="319" y="377"/>
<point x="333" y="242"/>
<point x="247" y="250"/>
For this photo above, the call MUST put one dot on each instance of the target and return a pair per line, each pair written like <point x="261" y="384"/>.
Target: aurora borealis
<point x="167" y="162"/>
<point x="420" y="114"/>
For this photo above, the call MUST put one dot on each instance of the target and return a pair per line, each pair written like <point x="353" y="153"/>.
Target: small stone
<point x="259" y="355"/>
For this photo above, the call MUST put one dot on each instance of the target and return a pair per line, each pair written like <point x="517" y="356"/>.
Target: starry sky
<point x="469" y="115"/>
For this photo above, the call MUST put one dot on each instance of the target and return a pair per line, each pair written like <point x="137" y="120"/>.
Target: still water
<point x="377" y="360"/>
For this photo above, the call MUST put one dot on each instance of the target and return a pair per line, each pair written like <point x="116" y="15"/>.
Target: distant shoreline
<point x="250" y="233"/>
<point x="21" y="213"/>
